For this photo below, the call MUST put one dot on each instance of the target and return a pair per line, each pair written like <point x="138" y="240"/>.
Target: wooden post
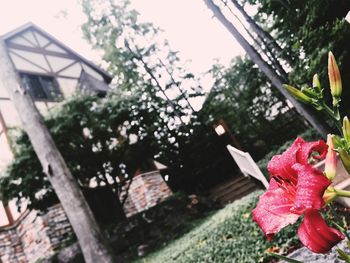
<point x="8" y="213"/>
<point x="5" y="130"/>
<point x="229" y="134"/>
<point x="92" y="243"/>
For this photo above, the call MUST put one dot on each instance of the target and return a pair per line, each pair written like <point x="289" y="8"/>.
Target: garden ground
<point x="228" y="235"/>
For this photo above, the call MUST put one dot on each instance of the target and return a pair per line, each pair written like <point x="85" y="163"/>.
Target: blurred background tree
<point x="307" y="31"/>
<point x="104" y="141"/>
<point x="153" y="113"/>
<point x="258" y="114"/>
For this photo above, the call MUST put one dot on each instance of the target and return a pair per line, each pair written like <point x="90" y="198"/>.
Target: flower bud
<point x="298" y="94"/>
<point x="316" y="84"/>
<point x="337" y="141"/>
<point x="346" y="129"/>
<point x="310" y="92"/>
<point x="334" y="78"/>
<point x="331" y="159"/>
<point x="329" y="195"/>
<point x="345" y="158"/>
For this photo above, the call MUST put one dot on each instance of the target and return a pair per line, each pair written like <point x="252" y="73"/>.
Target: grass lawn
<point x="228" y="235"/>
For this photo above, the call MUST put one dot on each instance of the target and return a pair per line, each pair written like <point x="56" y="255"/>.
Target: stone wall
<point x="38" y="235"/>
<point x="35" y="235"/>
<point x="11" y="249"/>
<point x="59" y="229"/>
<point x="146" y="190"/>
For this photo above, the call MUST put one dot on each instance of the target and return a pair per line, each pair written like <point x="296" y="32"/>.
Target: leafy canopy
<point x="102" y="140"/>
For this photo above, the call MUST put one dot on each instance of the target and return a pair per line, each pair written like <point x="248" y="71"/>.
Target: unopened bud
<point x="337" y="141"/>
<point x="345" y="158"/>
<point x="310" y="92"/>
<point x="331" y="159"/>
<point x="329" y="195"/>
<point x="334" y="79"/>
<point x="298" y="94"/>
<point x="346" y="129"/>
<point x="316" y="84"/>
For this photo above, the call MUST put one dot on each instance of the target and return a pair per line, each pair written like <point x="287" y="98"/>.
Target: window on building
<point x="41" y="87"/>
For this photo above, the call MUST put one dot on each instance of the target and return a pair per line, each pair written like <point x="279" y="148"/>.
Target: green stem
<point x="328" y="110"/>
<point x="336" y="112"/>
<point x="334" y="116"/>
<point x="342" y="193"/>
<point x="287" y="259"/>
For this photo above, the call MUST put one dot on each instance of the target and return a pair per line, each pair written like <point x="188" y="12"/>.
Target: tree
<point x="104" y="140"/>
<point x="142" y="61"/>
<point x="265" y="68"/>
<point x="262" y="40"/>
<point x="92" y="243"/>
<point x="255" y="112"/>
<point x="308" y="31"/>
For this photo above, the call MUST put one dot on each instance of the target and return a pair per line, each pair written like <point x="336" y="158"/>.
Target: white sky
<point x="187" y="24"/>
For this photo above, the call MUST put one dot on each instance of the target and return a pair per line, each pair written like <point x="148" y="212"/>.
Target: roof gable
<point x="31" y="38"/>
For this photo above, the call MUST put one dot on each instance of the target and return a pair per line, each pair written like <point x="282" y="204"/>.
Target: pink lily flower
<point x="296" y="188"/>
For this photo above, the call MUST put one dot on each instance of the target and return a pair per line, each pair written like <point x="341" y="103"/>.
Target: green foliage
<point x="152" y="104"/>
<point x="229" y="235"/>
<point x="307" y="31"/>
<point x="139" y="58"/>
<point x="142" y="61"/>
<point x="100" y="139"/>
<point x="243" y="97"/>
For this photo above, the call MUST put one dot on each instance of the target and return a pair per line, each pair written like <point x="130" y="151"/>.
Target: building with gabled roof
<point x="50" y="72"/>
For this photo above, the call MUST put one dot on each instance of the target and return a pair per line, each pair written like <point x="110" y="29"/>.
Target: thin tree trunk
<point x="265" y="68"/>
<point x="92" y="243"/>
<point x="8" y="213"/>
<point x="259" y="40"/>
<point x="150" y="73"/>
<point x="176" y="84"/>
<point x="260" y="32"/>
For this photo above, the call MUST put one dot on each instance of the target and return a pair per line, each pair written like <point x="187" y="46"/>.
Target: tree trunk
<point x="266" y="69"/>
<point x="92" y="243"/>
<point x="260" y="32"/>
<point x="258" y="38"/>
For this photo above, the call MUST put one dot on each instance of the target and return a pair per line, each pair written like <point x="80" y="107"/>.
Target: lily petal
<point x="307" y="148"/>
<point x="310" y="188"/>
<point x="272" y="212"/>
<point x="281" y="165"/>
<point x="316" y="235"/>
